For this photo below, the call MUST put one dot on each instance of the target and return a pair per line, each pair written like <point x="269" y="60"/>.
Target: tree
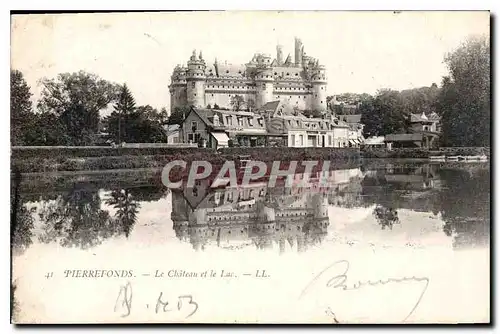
<point x="20" y="107"/>
<point x="119" y="120"/>
<point x="178" y="114"/>
<point x="127" y="209"/>
<point x="237" y="102"/>
<point x="372" y="120"/>
<point x="76" y="219"/>
<point x="384" y="114"/>
<point x="153" y="115"/>
<point x="388" y="103"/>
<point x="464" y="100"/>
<point x="251" y="105"/>
<point x="312" y="113"/>
<point x="385" y="216"/>
<point x="46" y="129"/>
<point x="83" y="91"/>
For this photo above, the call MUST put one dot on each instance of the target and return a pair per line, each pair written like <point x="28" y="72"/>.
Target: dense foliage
<point x="463" y="100"/>
<point x="69" y="113"/>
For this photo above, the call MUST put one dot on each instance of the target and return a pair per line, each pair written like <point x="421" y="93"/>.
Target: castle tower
<point x="320" y="203"/>
<point x="264" y="80"/>
<point x="279" y="55"/>
<point x="298" y="52"/>
<point x="177" y="88"/>
<point x="195" y="78"/>
<point x="318" y="81"/>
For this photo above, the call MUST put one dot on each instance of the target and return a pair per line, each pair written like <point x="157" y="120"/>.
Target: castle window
<point x="250" y="121"/>
<point x="288" y="74"/>
<point x="227" y="71"/>
<point x="194" y="94"/>
<point x="261" y="121"/>
<point x="321" y="88"/>
<point x="212" y="94"/>
<point x="275" y="73"/>
<point x="296" y="74"/>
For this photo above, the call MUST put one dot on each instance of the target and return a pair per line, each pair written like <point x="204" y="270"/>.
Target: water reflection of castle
<point x="256" y="214"/>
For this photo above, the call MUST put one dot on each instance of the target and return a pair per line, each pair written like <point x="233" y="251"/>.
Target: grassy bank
<point x="41" y="160"/>
<point x="420" y="153"/>
<point x="57" y="152"/>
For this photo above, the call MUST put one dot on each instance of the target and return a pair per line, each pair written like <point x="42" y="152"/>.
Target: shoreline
<point x="31" y="160"/>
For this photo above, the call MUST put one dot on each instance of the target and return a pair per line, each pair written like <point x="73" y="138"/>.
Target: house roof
<point x="404" y="137"/>
<point x="232" y="112"/>
<point x="204" y="114"/>
<point x="350" y="118"/>
<point x="172" y="127"/>
<point x="375" y="140"/>
<point x="434" y="117"/>
<point x="416" y="118"/>
<point x="270" y="106"/>
<point x="225" y="70"/>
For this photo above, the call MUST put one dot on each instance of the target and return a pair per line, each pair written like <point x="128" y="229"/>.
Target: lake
<point x="386" y="219"/>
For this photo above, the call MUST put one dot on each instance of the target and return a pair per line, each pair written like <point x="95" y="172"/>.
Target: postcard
<point x="246" y="167"/>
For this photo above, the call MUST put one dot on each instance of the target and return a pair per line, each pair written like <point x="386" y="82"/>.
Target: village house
<point x="355" y="135"/>
<point x="302" y="131"/>
<point x="215" y="128"/>
<point x="424" y="132"/>
<point x="275" y="124"/>
<point x="172" y="132"/>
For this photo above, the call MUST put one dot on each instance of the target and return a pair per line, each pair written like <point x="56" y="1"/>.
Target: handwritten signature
<point x="335" y="276"/>
<point x="123" y="302"/>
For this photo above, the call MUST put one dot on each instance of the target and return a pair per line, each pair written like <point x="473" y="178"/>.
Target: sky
<point x="362" y="51"/>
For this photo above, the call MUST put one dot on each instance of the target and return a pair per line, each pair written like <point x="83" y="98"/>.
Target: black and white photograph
<point x="250" y="167"/>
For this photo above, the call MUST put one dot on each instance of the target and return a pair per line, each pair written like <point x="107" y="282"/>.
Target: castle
<point x="300" y="83"/>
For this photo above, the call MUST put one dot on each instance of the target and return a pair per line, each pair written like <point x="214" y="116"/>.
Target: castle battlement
<point x="300" y="83"/>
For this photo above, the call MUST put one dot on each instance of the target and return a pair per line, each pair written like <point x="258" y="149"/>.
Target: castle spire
<point x="216" y="66"/>
<point x="201" y="55"/>
<point x="288" y="60"/>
